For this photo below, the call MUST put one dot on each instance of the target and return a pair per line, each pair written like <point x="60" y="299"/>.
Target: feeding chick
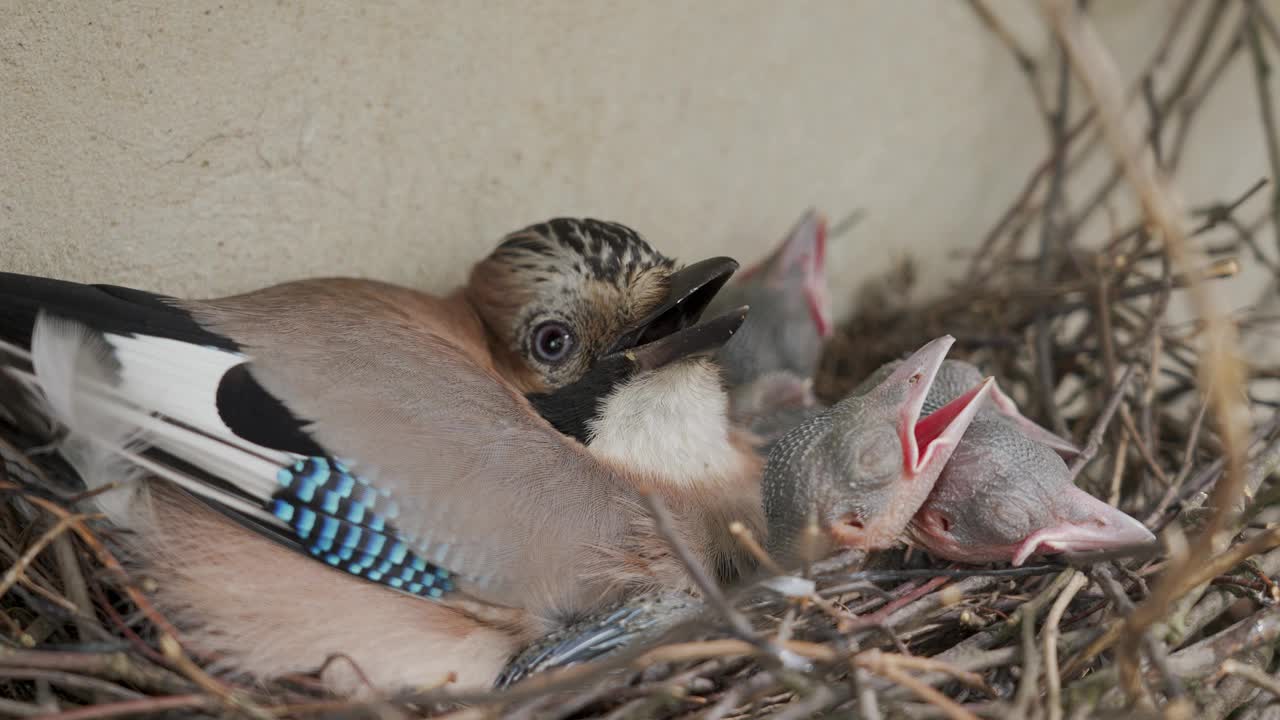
<point x="770" y="362"/>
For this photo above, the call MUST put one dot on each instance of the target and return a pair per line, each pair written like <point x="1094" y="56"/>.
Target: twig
<point x="889" y="671"/>
<point x="104" y="557"/>
<point x="1026" y="63"/>
<point x="924" y="664"/>
<point x="711" y="592"/>
<point x="1099" y="430"/>
<point x="1266" y="108"/>
<point x="1195" y="575"/>
<point x="1049" y="239"/>
<point x="1027" y="612"/>
<point x="135" y="708"/>
<point x="1155" y="649"/>
<point x="846" y="224"/>
<point x="861" y="578"/>
<point x="232" y="699"/>
<point x="1188" y="456"/>
<point x="1254" y="675"/>
<point x="1148" y="456"/>
<point x="12" y="574"/>
<point x="1221" y="373"/>
<point x="743" y="535"/>
<point x="76" y="588"/>
<point x="1218" y="213"/>
<point x="116" y="666"/>
<point x="69" y="680"/>
<point x="1049" y="637"/>
<point x="868" y="706"/>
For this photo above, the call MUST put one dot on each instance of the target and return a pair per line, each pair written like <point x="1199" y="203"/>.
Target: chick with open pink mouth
<point x="863" y="468"/>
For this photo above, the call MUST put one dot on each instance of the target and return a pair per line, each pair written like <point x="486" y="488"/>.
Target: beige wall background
<point x="208" y="147"/>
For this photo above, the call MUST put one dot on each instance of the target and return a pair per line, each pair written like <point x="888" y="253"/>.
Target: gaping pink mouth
<point x="805" y="250"/>
<point x="926" y="439"/>
<point x="940" y="428"/>
<point x="926" y="445"/>
<point x="815" y="282"/>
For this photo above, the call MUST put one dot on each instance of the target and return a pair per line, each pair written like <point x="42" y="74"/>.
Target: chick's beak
<point x="1078" y="522"/>
<point x="798" y="265"/>
<point x="806" y="251"/>
<point x="672" y="330"/>
<point x="927" y="442"/>
<point x="926" y="445"/>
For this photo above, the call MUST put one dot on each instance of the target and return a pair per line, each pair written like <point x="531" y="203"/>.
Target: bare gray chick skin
<point x="790" y="316"/>
<point x="1007" y="494"/>
<point x="861" y="469"/>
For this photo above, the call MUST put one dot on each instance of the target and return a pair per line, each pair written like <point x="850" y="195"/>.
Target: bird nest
<point x="1072" y="314"/>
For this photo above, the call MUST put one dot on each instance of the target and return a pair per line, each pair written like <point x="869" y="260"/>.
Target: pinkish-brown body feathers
<point x="426" y="395"/>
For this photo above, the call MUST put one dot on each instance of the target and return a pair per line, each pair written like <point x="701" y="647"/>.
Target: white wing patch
<point x="165" y="398"/>
<point x="174" y="378"/>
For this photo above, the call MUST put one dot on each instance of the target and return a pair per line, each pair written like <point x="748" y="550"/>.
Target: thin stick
<point x="1266" y="107"/>
<point x="946" y="705"/>
<point x="1049" y="637"/>
<point x="1195" y="575"/>
<point x="1221" y="372"/>
<point x="1188" y="455"/>
<point x="231" y="698"/>
<point x="743" y="535"/>
<point x="1026" y="62"/>
<point x="1049" y="239"/>
<point x="11" y="576"/>
<point x="1099" y="430"/>
<point x="1027" y="612"/>
<point x="1126" y="418"/>
<point x="914" y="662"/>
<point x="135" y="708"/>
<point x="711" y="592"/>
<point x="100" y="551"/>
<point x="1254" y="675"/>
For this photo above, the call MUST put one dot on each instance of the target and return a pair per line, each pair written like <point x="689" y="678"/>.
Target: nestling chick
<point x="790" y="308"/>
<point x="420" y="483"/>
<point x="769" y="363"/>
<point x="1006" y="494"/>
<point x="860" y="470"/>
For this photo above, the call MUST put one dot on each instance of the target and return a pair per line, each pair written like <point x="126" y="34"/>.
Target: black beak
<point x="672" y="331"/>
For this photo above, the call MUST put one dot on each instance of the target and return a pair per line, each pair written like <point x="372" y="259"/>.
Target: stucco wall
<point x="208" y="147"/>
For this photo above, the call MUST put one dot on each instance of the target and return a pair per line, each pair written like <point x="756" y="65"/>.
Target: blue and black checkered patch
<point x="347" y="522"/>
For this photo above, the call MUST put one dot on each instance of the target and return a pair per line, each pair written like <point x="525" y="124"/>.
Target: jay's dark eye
<point x="552" y="341"/>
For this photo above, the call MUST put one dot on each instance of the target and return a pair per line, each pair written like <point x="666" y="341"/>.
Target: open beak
<point x="927" y="442"/>
<point x="1083" y="524"/>
<point x="801" y="260"/>
<point x="672" y="331"/>
<point x="926" y="445"/>
<point x="805" y="250"/>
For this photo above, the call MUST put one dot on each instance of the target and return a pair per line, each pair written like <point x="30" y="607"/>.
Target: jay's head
<point x="577" y="307"/>
<point x="862" y="469"/>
